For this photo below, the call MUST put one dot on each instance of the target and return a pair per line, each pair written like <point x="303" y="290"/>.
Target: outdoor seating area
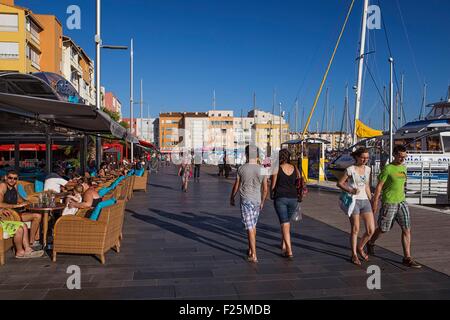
<point x="65" y="174"/>
<point x="90" y="231"/>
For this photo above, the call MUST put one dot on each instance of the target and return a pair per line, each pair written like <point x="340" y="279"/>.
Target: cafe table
<point x="46" y="213"/>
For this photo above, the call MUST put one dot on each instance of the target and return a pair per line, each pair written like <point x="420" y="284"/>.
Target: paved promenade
<point x="192" y="246"/>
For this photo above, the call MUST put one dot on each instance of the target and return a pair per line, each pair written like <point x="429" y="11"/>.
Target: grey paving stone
<point x="129" y="293"/>
<point x="193" y="246"/>
<point x="190" y="291"/>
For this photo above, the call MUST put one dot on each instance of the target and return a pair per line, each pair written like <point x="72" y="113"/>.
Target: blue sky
<point x="184" y="49"/>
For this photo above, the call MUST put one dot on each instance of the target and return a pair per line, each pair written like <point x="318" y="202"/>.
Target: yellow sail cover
<point x="364" y="131"/>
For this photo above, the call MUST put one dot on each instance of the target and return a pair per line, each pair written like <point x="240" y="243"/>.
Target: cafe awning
<point x="26" y="147"/>
<point x="147" y="144"/>
<point x="78" y="117"/>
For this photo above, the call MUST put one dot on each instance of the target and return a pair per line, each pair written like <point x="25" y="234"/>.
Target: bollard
<point x="421" y="185"/>
<point x="448" y="184"/>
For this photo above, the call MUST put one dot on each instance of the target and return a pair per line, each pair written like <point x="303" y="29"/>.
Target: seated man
<point x="54" y="182"/>
<point x="19" y="231"/>
<point x="10" y="199"/>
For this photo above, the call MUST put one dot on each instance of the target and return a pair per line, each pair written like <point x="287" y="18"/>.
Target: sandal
<point x="252" y="259"/>
<point x="355" y="261"/>
<point x="363" y="255"/>
<point x="288" y="256"/>
<point x="31" y="255"/>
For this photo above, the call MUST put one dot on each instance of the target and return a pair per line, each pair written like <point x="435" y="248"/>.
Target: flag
<point x="363" y="131"/>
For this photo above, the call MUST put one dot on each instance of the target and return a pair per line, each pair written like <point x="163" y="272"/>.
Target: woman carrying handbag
<point x="355" y="201"/>
<point x="287" y="191"/>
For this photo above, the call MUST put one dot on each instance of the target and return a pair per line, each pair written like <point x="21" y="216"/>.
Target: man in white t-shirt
<point x="54" y="182"/>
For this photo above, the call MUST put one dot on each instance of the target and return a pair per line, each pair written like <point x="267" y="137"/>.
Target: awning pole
<point x="83" y="154"/>
<point x="16" y="156"/>
<point x="48" y="154"/>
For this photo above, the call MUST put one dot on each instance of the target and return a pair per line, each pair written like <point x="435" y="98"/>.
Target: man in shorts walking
<point x="251" y="183"/>
<point x="391" y="185"/>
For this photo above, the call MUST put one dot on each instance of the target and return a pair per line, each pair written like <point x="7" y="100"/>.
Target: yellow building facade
<point x="20" y="43"/>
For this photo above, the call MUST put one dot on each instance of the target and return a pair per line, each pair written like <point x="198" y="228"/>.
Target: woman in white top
<point x="356" y="181"/>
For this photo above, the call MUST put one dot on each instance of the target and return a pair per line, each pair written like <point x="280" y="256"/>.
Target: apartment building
<point x="143" y="128"/>
<point x="20" y="39"/>
<point x="268" y="128"/>
<point x="169" y="126"/>
<point x="337" y="140"/>
<point x="78" y="68"/>
<point x="112" y="103"/>
<point x="51" y="44"/>
<point x="221" y="130"/>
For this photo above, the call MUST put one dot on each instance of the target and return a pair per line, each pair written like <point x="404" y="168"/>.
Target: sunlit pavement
<point x="192" y="246"/>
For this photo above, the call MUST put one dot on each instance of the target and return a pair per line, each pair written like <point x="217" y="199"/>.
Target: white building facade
<point x="78" y="68"/>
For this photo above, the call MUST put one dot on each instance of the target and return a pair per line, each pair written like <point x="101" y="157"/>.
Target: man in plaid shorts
<point x="251" y="183"/>
<point x="391" y="183"/>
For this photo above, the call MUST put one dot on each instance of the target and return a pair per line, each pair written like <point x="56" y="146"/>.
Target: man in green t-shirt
<point x="391" y="184"/>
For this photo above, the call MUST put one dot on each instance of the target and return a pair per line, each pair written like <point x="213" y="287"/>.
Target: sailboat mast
<point x="326" y="111"/>
<point x="402" y="100"/>
<point x="142" y="108"/>
<point x="362" y="49"/>
<point x="424" y="101"/>
<point x="347" y="116"/>
<point x="391" y="112"/>
<point x="384" y="107"/>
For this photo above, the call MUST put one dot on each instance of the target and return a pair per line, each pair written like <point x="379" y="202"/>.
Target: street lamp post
<point x="99" y="45"/>
<point x="131" y="96"/>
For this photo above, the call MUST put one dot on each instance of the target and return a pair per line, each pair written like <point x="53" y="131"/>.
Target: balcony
<point x="34" y="41"/>
<point x="9" y="56"/>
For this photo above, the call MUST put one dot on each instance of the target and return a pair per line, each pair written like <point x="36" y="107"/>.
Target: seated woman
<point x="19" y="231"/>
<point x="103" y="172"/>
<point x="76" y="197"/>
<point x="91" y="198"/>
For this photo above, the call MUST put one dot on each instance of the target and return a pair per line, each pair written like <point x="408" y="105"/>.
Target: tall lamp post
<point x="99" y="45"/>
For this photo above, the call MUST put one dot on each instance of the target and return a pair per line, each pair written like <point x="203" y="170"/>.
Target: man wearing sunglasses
<point x="10" y="199"/>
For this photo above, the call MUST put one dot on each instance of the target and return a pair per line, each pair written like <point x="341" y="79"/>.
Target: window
<point x="9" y="22"/>
<point x="434" y="144"/>
<point x="446" y="143"/>
<point x="34" y="33"/>
<point x="9" y="50"/>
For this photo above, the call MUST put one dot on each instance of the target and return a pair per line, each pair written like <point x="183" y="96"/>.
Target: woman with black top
<point x="91" y="198"/>
<point x="284" y="192"/>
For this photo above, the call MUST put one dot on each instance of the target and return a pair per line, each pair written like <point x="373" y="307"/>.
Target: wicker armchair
<point x="33" y="197"/>
<point x="130" y="181"/>
<point x="140" y="183"/>
<point x="7" y="244"/>
<point x="27" y="186"/>
<point x="78" y="235"/>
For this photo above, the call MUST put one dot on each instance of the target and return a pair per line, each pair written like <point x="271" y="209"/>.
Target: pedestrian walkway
<point x="192" y="246"/>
